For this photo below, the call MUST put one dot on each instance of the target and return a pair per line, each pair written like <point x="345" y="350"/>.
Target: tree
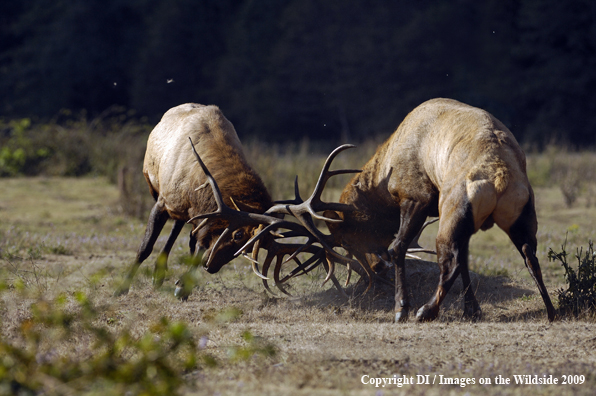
<point x="556" y="55"/>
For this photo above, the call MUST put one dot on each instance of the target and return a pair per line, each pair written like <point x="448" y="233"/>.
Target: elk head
<point x="341" y="233"/>
<point x="241" y="225"/>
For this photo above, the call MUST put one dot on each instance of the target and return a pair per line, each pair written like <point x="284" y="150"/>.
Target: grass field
<point x="63" y="236"/>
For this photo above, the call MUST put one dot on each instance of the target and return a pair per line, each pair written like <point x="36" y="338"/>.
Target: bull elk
<point x="176" y="180"/>
<point x="450" y="160"/>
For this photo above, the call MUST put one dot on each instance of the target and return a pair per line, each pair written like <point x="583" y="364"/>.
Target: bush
<point x="580" y="295"/>
<point x="112" y="145"/>
<point x="572" y="171"/>
<point x="150" y="365"/>
<point x="19" y="153"/>
<point x="117" y="363"/>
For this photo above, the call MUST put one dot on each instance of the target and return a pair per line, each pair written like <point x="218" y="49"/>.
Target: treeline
<point x="288" y="69"/>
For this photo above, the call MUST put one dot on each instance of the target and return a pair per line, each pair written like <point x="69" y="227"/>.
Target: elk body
<point x="446" y="159"/>
<point x="175" y="180"/>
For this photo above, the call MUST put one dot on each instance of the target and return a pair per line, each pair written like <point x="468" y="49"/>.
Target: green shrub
<point x="117" y="363"/>
<point x="20" y="154"/>
<point x="580" y="295"/>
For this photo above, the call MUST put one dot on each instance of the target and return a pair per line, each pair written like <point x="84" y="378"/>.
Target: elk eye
<point x="239" y="235"/>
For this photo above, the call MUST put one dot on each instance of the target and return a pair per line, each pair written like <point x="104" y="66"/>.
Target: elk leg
<point x="185" y="284"/>
<point x="412" y="217"/>
<point x="471" y="307"/>
<point x="523" y="236"/>
<point x="453" y="239"/>
<point x="156" y="222"/>
<point x="161" y="264"/>
<point x="192" y="244"/>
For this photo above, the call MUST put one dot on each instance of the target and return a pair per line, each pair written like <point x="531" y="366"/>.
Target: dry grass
<point x="62" y="235"/>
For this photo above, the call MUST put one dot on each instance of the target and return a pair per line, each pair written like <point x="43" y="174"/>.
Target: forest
<point x="285" y="70"/>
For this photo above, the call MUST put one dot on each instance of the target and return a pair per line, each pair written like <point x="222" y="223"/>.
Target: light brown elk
<point x="175" y="180"/>
<point x="446" y="159"/>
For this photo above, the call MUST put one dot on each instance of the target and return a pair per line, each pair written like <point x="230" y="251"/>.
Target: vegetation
<point x="81" y="84"/>
<point x="113" y="146"/>
<point x="117" y="362"/>
<point x="580" y="295"/>
<point x="65" y="242"/>
<point x="282" y="70"/>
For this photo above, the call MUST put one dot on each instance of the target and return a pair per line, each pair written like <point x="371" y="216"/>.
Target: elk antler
<point x="304" y="211"/>
<point x="238" y="218"/>
<point x="415" y="246"/>
<point x="235" y="218"/>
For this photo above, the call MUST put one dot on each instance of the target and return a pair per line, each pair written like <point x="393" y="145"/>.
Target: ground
<point x="59" y="236"/>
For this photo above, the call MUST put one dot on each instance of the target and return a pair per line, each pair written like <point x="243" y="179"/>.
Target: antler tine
<point x="297" y="199"/>
<point x="349" y="267"/>
<point x="301" y="248"/>
<point x="221" y="206"/>
<point x="307" y="229"/>
<point x="307" y="266"/>
<point x="275" y="223"/>
<point x="278" y="251"/>
<point x="326" y="174"/>
<point x="415" y="246"/>
<point x="330" y="269"/>
<point x="276" y="272"/>
<point x="217" y="243"/>
<point x="236" y="218"/>
<point x="313" y="204"/>
<point x="266" y="265"/>
<point x="255" y="266"/>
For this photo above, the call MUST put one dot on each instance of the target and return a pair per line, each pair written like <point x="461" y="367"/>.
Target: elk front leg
<point x="156" y="222"/>
<point x="186" y="282"/>
<point x="412" y="217"/>
<point x="161" y="264"/>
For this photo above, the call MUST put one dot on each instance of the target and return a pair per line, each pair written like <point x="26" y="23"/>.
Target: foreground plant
<point x="580" y="295"/>
<point x="117" y="363"/>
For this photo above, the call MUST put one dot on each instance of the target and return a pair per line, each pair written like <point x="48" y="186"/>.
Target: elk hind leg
<point x="453" y="239"/>
<point x="157" y="219"/>
<point x="523" y="235"/>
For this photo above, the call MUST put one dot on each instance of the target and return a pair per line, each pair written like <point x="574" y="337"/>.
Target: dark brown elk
<point x="446" y="159"/>
<point x="176" y="183"/>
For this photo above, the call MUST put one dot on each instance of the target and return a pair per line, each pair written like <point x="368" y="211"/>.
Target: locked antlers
<point x="269" y="224"/>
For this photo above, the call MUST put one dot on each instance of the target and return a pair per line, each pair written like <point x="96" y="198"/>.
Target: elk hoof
<point x="181" y="292"/>
<point x="121" y="291"/>
<point x="401" y="316"/>
<point x="402" y="309"/>
<point x="157" y="281"/>
<point x="427" y="314"/>
<point x="473" y="312"/>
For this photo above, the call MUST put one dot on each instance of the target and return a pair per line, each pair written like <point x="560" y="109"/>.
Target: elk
<point x="446" y="159"/>
<point x="176" y="183"/>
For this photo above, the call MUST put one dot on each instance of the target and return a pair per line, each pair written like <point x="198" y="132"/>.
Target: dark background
<point x="287" y="69"/>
